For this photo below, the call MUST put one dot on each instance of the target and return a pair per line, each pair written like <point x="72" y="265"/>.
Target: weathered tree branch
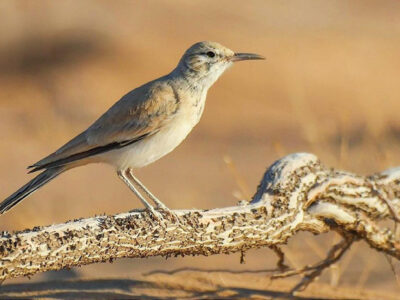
<point x="296" y="193"/>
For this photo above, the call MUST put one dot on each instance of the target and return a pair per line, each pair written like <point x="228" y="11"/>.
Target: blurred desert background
<point x="330" y="86"/>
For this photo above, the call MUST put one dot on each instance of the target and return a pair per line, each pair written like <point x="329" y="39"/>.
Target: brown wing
<point x="137" y="115"/>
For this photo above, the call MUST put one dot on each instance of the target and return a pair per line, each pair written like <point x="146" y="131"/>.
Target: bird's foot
<point x="155" y="214"/>
<point x="161" y="213"/>
<point x="168" y="213"/>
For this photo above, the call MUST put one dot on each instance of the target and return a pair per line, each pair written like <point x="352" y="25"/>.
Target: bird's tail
<point x="30" y="187"/>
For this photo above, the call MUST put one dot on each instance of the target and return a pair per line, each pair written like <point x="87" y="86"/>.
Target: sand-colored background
<point x="330" y="85"/>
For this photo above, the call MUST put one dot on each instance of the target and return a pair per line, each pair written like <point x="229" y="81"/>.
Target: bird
<point x="144" y="125"/>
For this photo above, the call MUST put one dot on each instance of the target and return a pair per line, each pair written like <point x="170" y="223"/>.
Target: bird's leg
<point x="148" y="193"/>
<point x="158" y="203"/>
<point x="124" y="175"/>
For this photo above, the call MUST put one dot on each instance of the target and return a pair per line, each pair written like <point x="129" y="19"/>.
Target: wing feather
<point x="138" y="114"/>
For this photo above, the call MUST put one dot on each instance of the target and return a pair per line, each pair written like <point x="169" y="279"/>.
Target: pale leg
<point x="125" y="178"/>
<point x="159" y="204"/>
<point x="148" y="193"/>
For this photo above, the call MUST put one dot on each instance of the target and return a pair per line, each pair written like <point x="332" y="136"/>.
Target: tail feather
<point x="30" y="187"/>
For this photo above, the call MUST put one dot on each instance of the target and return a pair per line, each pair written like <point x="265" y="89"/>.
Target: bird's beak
<point x="246" y="56"/>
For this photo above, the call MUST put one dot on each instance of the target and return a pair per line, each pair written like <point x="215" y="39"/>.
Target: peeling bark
<point x="296" y="193"/>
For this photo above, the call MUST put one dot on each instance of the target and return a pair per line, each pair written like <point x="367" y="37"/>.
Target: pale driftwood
<point x="296" y="193"/>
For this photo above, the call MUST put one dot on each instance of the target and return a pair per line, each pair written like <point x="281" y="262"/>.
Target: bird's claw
<point x="160" y="214"/>
<point x="169" y="213"/>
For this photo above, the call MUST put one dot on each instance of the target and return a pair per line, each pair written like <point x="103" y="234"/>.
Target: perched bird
<point x="143" y="126"/>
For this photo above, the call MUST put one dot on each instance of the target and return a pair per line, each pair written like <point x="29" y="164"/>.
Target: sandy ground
<point x="184" y="285"/>
<point x="329" y="86"/>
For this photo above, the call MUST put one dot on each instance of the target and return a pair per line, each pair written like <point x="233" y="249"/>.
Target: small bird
<point x="143" y="126"/>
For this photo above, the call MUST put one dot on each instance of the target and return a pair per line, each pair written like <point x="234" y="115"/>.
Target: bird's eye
<point x="210" y="54"/>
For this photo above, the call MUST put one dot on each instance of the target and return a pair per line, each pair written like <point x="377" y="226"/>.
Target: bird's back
<point x="138" y="114"/>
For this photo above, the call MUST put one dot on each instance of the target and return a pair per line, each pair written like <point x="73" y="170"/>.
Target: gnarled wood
<point x="296" y="193"/>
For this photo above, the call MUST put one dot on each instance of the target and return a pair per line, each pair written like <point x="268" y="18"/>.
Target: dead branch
<point x="296" y="193"/>
<point x="312" y="272"/>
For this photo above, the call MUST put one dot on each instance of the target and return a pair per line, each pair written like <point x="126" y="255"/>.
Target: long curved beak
<point x="246" y="56"/>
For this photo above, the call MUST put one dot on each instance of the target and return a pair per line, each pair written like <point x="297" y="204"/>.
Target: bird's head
<point x="206" y="61"/>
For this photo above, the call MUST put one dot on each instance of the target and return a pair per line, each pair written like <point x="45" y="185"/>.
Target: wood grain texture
<point x="297" y="193"/>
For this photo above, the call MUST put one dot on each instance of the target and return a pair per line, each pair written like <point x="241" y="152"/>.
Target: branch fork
<point x="297" y="193"/>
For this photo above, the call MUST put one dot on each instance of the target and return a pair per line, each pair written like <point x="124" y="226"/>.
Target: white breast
<point x="164" y="141"/>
